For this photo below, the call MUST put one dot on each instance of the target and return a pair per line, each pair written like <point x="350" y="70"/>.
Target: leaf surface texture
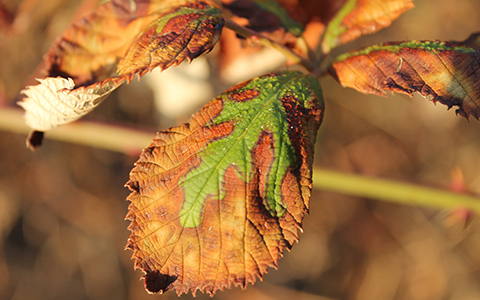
<point x="215" y="201"/>
<point x="359" y="17"/>
<point x="440" y="71"/>
<point x="111" y="45"/>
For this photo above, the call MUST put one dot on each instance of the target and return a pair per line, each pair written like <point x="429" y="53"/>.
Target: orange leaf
<point x="91" y="48"/>
<point x="215" y="201"/>
<point x="184" y="33"/>
<point x="440" y="71"/>
<point x="101" y="51"/>
<point x="359" y="17"/>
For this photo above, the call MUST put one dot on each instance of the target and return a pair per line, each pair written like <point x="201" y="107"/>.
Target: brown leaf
<point x="215" y="201"/>
<point x="131" y="36"/>
<point x="190" y="31"/>
<point x="90" y="49"/>
<point x="440" y="71"/>
<point x="359" y="17"/>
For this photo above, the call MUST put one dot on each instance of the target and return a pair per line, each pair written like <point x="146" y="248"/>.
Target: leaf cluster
<point x="215" y="202"/>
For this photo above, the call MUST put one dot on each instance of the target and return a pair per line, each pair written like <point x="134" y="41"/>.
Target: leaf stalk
<point x="255" y="36"/>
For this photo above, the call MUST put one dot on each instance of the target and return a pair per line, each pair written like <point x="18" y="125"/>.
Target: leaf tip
<point x="34" y="140"/>
<point x="156" y="282"/>
<point x="133" y="186"/>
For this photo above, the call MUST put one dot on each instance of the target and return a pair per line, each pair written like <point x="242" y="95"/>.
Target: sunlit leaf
<point x="184" y="33"/>
<point x="89" y="50"/>
<point x="359" y="17"/>
<point x="120" y="39"/>
<point x="56" y="101"/>
<point x="440" y="71"/>
<point x="215" y="201"/>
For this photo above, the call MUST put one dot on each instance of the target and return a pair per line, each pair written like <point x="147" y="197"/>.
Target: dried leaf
<point x="440" y="71"/>
<point x="56" y="101"/>
<point x="185" y="33"/>
<point x="125" y="30"/>
<point x="359" y="17"/>
<point x="89" y="50"/>
<point x="215" y="201"/>
<point x="135" y="35"/>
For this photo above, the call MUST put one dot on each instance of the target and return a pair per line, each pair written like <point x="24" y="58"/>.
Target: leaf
<point x="89" y="50"/>
<point x="215" y="201"/>
<point x="359" y="17"/>
<point x="440" y="71"/>
<point x="131" y="36"/>
<point x="185" y="33"/>
<point x="55" y="101"/>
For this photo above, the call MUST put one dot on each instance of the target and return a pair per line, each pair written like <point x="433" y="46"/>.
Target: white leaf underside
<point x="55" y="101"/>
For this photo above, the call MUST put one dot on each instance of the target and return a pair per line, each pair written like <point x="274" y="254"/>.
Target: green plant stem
<point x="290" y="54"/>
<point x="129" y="141"/>
<point x="392" y="191"/>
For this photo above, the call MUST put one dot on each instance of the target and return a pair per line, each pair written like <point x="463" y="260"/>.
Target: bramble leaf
<point x="185" y="33"/>
<point x="359" y="17"/>
<point x="56" y="101"/>
<point x="440" y="71"/>
<point x="89" y="50"/>
<point x="215" y="201"/>
<point x="120" y="39"/>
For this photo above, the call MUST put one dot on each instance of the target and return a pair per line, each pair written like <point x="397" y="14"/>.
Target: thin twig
<point x="255" y="36"/>
<point x="98" y="135"/>
<point x="302" y="43"/>
<point x="392" y="191"/>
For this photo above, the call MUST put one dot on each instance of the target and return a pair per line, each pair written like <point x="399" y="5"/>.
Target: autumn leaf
<point x="215" y="201"/>
<point x="111" y="45"/>
<point x="440" y="71"/>
<point x="89" y="50"/>
<point x="307" y="16"/>
<point x="53" y="103"/>
<point x="185" y="33"/>
<point x="359" y="17"/>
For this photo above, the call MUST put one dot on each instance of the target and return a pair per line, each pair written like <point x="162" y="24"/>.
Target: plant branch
<point x="109" y="137"/>
<point x="129" y="141"/>
<point x="255" y="36"/>
<point x="392" y="191"/>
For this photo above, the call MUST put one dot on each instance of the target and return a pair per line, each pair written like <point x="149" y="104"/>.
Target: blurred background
<point x="62" y="208"/>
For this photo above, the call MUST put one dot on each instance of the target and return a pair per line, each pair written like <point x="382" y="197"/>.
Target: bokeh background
<point x="62" y="208"/>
